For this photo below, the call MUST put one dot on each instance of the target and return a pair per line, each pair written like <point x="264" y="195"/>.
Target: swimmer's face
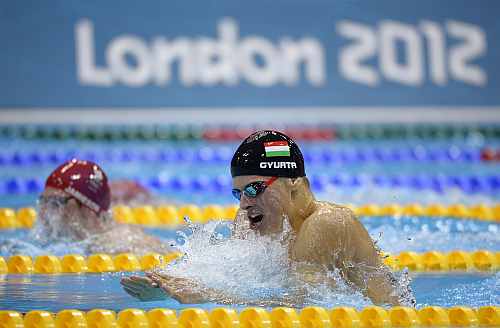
<point x="76" y="221"/>
<point x="266" y="211"/>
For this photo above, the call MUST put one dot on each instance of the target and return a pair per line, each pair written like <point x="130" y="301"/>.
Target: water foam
<point x="256" y="269"/>
<point x="59" y="235"/>
<point x="418" y="234"/>
<point x="46" y="237"/>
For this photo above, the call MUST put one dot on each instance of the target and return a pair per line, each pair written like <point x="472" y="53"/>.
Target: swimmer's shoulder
<point x="325" y="230"/>
<point x="332" y="214"/>
<point x="328" y="218"/>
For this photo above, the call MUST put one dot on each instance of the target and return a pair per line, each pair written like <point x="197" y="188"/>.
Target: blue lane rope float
<point x="469" y="184"/>
<point x="217" y="155"/>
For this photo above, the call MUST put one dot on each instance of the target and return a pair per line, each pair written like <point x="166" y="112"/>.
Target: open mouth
<point x="255" y="220"/>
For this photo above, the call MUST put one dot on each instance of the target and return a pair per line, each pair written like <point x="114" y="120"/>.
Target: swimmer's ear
<point x="299" y="182"/>
<point x="294" y="185"/>
<point x="299" y="186"/>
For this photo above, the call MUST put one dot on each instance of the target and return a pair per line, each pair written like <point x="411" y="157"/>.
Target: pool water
<point x="355" y="172"/>
<point x="89" y="291"/>
<point x="258" y="267"/>
<point x="393" y="235"/>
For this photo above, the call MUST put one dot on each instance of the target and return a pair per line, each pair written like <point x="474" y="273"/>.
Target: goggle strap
<point x="270" y="181"/>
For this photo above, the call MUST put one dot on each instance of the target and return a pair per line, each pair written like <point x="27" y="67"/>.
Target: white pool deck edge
<point x="251" y="115"/>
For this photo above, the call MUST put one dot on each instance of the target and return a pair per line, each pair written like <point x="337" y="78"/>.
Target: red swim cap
<point x="83" y="180"/>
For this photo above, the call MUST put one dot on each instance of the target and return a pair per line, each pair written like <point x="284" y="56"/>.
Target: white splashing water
<point x="257" y="270"/>
<point x="48" y="236"/>
<point x="241" y="267"/>
<point x="59" y="235"/>
<point x="421" y="234"/>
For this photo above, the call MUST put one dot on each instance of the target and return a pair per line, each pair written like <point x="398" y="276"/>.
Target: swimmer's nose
<point x="246" y="202"/>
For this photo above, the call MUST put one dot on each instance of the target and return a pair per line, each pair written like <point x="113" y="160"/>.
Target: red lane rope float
<point x="490" y="155"/>
<point x="305" y="134"/>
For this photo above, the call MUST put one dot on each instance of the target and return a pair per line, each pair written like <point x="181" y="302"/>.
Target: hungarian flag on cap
<point x="277" y="148"/>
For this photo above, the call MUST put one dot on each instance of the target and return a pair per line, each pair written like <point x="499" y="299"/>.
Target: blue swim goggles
<point x="253" y="189"/>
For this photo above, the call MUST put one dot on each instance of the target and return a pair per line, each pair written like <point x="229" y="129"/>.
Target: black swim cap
<point x="268" y="153"/>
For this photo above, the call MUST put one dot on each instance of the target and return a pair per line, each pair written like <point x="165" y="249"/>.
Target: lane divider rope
<point x="283" y="317"/>
<point x="439" y="183"/>
<point x="323" y="155"/>
<point x="224" y="134"/>
<point x="170" y="216"/>
<point x="432" y="261"/>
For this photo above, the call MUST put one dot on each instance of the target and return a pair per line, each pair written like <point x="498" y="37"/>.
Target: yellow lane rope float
<point x="433" y="261"/>
<point x="169" y="216"/>
<point x="254" y="317"/>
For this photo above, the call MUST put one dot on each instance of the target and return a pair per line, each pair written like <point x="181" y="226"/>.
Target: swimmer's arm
<point x="188" y="291"/>
<point x="184" y="290"/>
<point x="155" y="287"/>
<point x="366" y="270"/>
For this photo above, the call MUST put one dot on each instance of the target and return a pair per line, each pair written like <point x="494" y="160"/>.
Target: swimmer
<point x="130" y="193"/>
<point x="270" y="183"/>
<point x="74" y="207"/>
